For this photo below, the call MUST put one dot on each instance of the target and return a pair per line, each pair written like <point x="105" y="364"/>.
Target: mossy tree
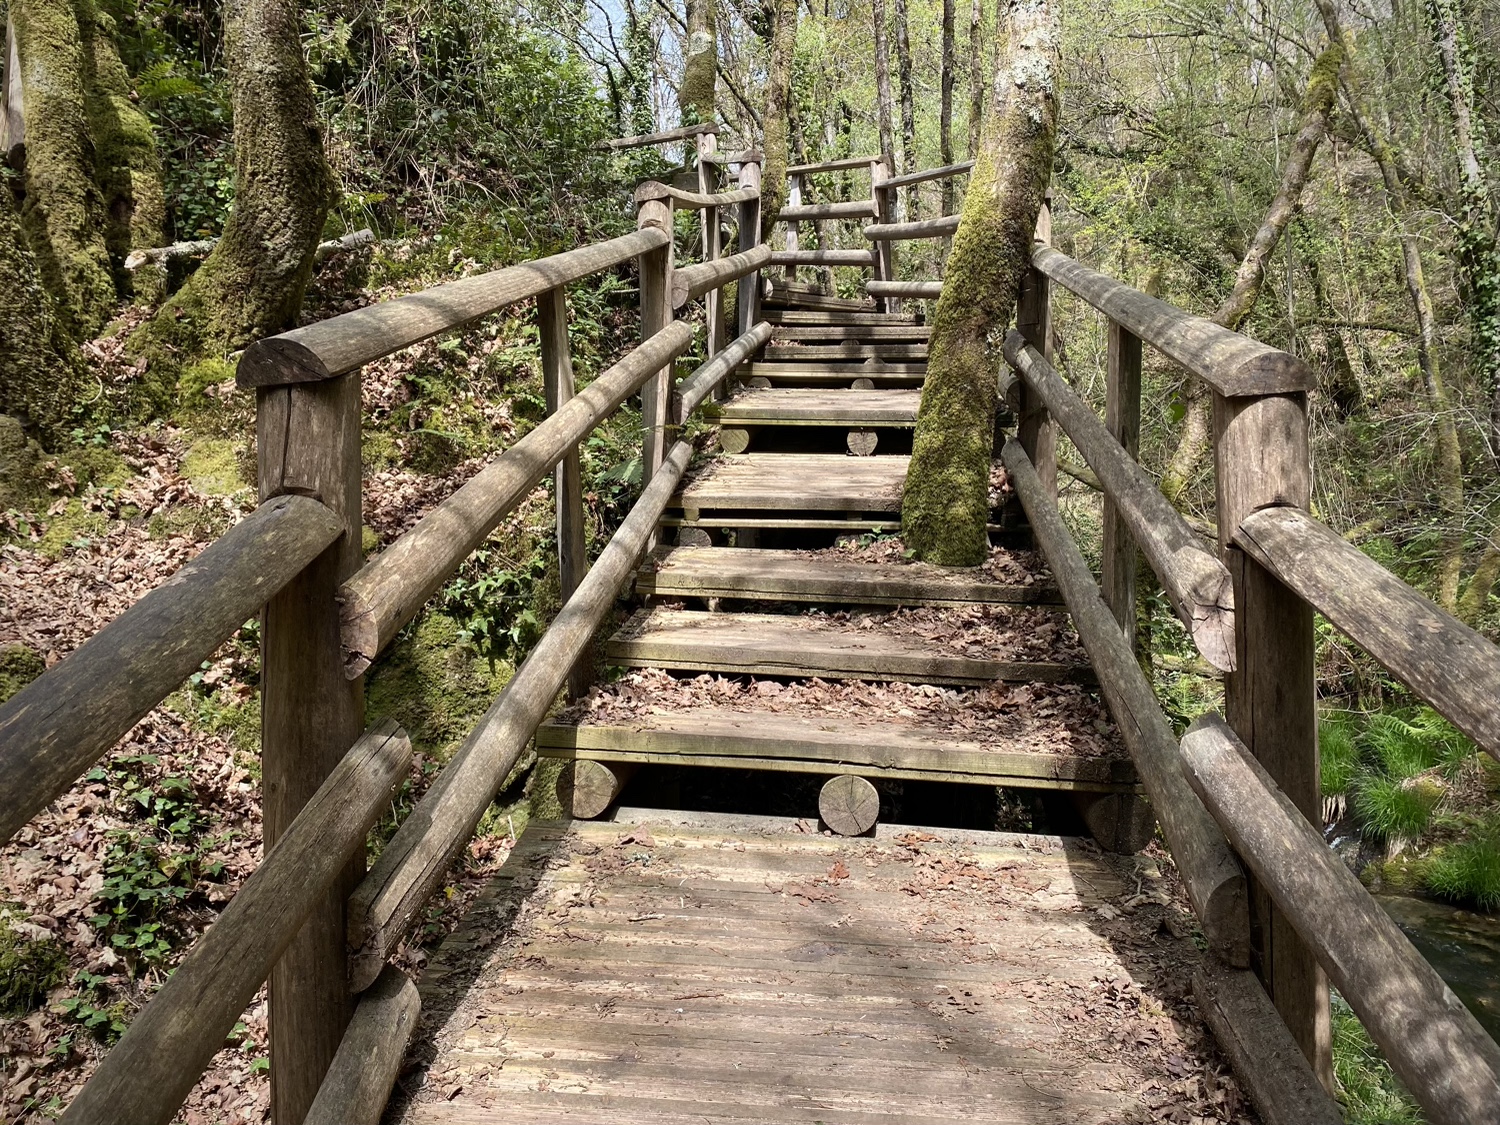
<point x="253" y="282"/>
<point x="700" y="67"/>
<point x="946" y="504"/>
<point x="778" y="88"/>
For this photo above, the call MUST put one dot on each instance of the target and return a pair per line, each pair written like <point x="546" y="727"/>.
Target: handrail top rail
<point x="843" y="163"/>
<point x="917" y="228"/>
<point x="1230" y="362"/>
<point x="693" y="200"/>
<point x="666" y="136"/>
<point x="921" y="176"/>
<point x="343" y="343"/>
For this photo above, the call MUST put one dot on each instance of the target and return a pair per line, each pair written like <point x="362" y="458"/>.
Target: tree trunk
<point x="976" y="75"/>
<point x="945" y="106"/>
<point x="700" y="68"/>
<point x="253" y="283"/>
<point x="778" y="89"/>
<point x="40" y="373"/>
<point x="63" y="214"/>
<point x="1317" y="105"/>
<point x="884" y="103"/>
<point x="946" y="503"/>
<point x="129" y="169"/>
<point x="908" y="109"/>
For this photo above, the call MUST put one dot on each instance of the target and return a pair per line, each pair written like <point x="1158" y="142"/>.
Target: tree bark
<point x="946" y="503"/>
<point x="976" y="75"/>
<point x="700" y="68"/>
<point x="884" y="103"/>
<point x="253" y="283"/>
<point x="778" y="89"/>
<point x="63" y="214"/>
<point x="908" y="109"/>
<point x="945" y="106"/>
<point x="1317" y="105"/>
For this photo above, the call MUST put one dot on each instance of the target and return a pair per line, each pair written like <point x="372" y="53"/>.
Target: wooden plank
<point x="814" y="407"/>
<point x="851" y="524"/>
<point x="851" y="209"/>
<point x="842" y="164"/>
<point x="744" y="572"/>
<point x="922" y="290"/>
<point x="841" y="373"/>
<point x="834" y="739"/>
<point x="921" y="228"/>
<point x="1431" y="1039"/>
<point x="169" y="1043"/>
<point x="657" y="303"/>
<point x="865" y="333"/>
<point x="692" y="282"/>
<point x="747" y="292"/>
<point x="617" y="144"/>
<point x="53" y="729"/>
<point x="850" y="349"/>
<point x="774" y="645"/>
<point x="793" y="258"/>
<point x="927" y="174"/>
<point x="1448" y="664"/>
<point x="822" y="482"/>
<point x="363" y="1072"/>
<point x="815" y="318"/>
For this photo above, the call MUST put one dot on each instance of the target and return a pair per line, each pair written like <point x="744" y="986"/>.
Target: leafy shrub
<point x="1468" y="872"/>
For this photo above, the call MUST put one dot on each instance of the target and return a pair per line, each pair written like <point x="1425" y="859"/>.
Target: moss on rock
<point x="20" y="467"/>
<point x="19" y="665"/>
<point x="212" y="467"/>
<point x="29" y="969"/>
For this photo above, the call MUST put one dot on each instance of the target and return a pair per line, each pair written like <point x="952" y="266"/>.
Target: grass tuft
<point x="1391" y="808"/>
<point x="1468" y="872"/>
<point x="1370" y="1092"/>
<point x="1338" y="756"/>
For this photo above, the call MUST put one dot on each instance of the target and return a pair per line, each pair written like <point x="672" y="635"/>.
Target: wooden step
<point x="811" y="406"/>
<point x="763" y="739"/>
<point x="810" y="482"/>
<point x="765" y="644"/>
<point x="841" y="373"/>
<point x="804" y="298"/>
<point x="866" y="333"/>
<point x="820" y="576"/>
<point x="850" y="349"/>
<point x="818" y="318"/>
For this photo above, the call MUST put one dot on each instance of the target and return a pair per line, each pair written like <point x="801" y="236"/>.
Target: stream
<point x="1464" y="947"/>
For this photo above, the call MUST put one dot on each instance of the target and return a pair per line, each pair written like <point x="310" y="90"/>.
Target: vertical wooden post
<point x="1034" y="427"/>
<point x="557" y="373"/>
<point x="1261" y="458"/>
<point x="793" y="199"/>
<point x="708" y="183"/>
<point x="656" y="314"/>
<point x="1122" y="416"/>
<point x="885" y="250"/>
<point x="308" y="442"/>
<point x="749" y="285"/>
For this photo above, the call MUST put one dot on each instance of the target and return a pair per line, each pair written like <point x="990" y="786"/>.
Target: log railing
<point x="1247" y="790"/>
<point x="310" y="919"/>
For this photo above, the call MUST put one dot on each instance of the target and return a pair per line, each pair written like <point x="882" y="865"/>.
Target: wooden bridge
<point x="667" y="967"/>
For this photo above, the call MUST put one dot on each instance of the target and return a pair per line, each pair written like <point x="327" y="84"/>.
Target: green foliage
<point x="29" y="969"/>
<point x="19" y="665"/>
<point x="1369" y="1091"/>
<point x="1394" y="809"/>
<point x="1338" y="757"/>
<point x="1468" y="872"/>
<point x="1398" y="748"/>
<point x="494" y="603"/>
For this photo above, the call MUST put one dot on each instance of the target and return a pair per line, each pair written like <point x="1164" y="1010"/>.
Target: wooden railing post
<point x="1122" y="417"/>
<point x="557" y="373"/>
<point x="793" y="199"/>
<point x="656" y="313"/>
<point x="1034" y="427"/>
<point x="885" y="249"/>
<point x="1261" y="458"/>
<point x="708" y="184"/>
<point x="308" y="443"/>
<point x="750" y="217"/>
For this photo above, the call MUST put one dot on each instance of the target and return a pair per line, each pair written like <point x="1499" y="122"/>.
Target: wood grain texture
<point x="747" y="293"/>
<point x="689" y="394"/>
<point x="796" y="258"/>
<point x="363" y="1072"/>
<point x="1210" y="872"/>
<point x="567" y="488"/>
<point x="842" y="164"/>
<point x="868" y="333"/>
<point x="57" y="726"/>
<point x="393" y="586"/>
<point x="849" y="804"/>
<point x="828" y="482"/>
<point x="1228" y="362"/>
<point x="921" y="290"/>
<point x="848" y="350"/>
<point x="1122" y="418"/>
<point x="145" y="1078"/>
<point x="1440" y="658"/>
<point x="816" y="407"/>
<point x="350" y="340"/>
<point x="922" y="228"/>
<point x="775" y="645"/>
<point x="921" y="177"/>
<point x="645" y="140"/>
<point x="691" y="282"/>
<point x="850" y="209"/>
<point x="656" y="269"/>
<point x="852" y="318"/>
<point x="413" y="864"/>
<point x="841" y="374"/>
<point x="1432" y="1041"/>
<point x="586" y="788"/>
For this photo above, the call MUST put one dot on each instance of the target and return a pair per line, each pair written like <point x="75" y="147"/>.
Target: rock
<point x="20" y="466"/>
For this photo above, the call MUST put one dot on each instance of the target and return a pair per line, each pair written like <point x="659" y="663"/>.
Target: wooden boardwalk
<point x="737" y="970"/>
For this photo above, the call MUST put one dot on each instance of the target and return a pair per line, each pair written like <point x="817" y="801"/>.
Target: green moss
<point x="1405" y="874"/>
<point x="1323" y="81"/>
<point x="369" y="540"/>
<point x="187" y="520"/>
<point x="29" y="969"/>
<point x="212" y="467"/>
<point x="379" y="451"/>
<point x="19" y="665"/>
<point x="96" y="465"/>
<point x="197" y="377"/>
<point x="71" y="527"/>
<point x="433" y="685"/>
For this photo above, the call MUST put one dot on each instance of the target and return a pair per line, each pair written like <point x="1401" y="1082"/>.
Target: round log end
<point x="862" y="443"/>
<point x="278" y="361"/>
<point x="734" y="440"/>
<point x="758" y="383"/>
<point x="586" y="788"/>
<point x="359" y="632"/>
<point x="693" y="537"/>
<point x="863" y="384"/>
<point x="849" y="805"/>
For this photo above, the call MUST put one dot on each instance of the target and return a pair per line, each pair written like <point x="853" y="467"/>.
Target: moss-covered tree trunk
<point x="128" y="167"/>
<point x="40" y="375"/>
<point x="253" y="282"/>
<point x="778" y="90"/>
<point x="700" y="67"/>
<point x="63" y="213"/>
<point x="946" y="505"/>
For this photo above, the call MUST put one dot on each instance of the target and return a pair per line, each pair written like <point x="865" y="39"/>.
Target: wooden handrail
<point x="413" y="864"/>
<point x="922" y="228"/>
<point x="1197" y="583"/>
<point x="389" y="590"/>
<point x="691" y="282"/>
<point x="698" y="201"/>
<point x="1232" y="364"/>
<point x="922" y="290"/>
<point x="145" y="1078"/>
<point x="850" y="209"/>
<point x="1210" y="872"/>
<point x="922" y="177"/>
<point x="349" y="341"/>
<point x="842" y="164"/>
<point x="1432" y="1041"/>
<point x="824" y="258"/>
<point x="690" y="393"/>
<point x="1432" y="652"/>
<point x="57" y="726"/>
<point x="666" y="136"/>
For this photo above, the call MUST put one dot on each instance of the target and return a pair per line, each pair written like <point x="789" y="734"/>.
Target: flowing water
<point x="1462" y="946"/>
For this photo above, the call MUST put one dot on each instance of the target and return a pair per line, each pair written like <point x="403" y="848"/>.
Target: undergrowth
<point x="1369" y="1091"/>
